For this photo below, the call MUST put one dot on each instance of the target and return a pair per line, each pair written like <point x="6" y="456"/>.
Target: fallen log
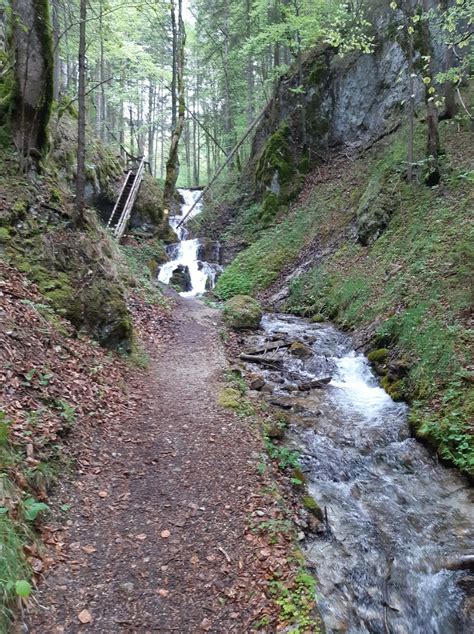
<point x="269" y="347"/>
<point x="312" y="385"/>
<point x="253" y="358"/>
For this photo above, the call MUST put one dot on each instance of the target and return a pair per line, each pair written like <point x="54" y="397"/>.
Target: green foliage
<point x="13" y="567"/>
<point x="285" y="457"/>
<point x="32" y="508"/>
<point x="297" y="603"/>
<point x="143" y="260"/>
<point x="23" y="589"/>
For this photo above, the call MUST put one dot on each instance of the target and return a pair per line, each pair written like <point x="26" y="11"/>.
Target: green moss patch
<point x="241" y="312"/>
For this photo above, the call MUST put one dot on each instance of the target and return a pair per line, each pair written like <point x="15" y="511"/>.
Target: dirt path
<point x="156" y="541"/>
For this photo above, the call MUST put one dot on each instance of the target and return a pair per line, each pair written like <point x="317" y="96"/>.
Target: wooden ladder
<point x="123" y="207"/>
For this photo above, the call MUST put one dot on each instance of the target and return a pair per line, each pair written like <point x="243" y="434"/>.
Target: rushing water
<point x="400" y="525"/>
<point x="185" y="253"/>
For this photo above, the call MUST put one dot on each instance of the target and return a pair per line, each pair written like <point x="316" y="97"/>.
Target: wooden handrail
<point x="112" y="215"/>
<point x="127" y="210"/>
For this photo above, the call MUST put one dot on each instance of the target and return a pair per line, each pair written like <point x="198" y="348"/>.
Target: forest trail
<point x="157" y="537"/>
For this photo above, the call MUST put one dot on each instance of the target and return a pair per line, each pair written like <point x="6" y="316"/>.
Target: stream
<point x="396" y="552"/>
<point x="194" y="264"/>
<point x="396" y="555"/>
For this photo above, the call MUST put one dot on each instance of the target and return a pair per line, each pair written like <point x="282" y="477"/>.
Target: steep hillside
<point x="353" y="241"/>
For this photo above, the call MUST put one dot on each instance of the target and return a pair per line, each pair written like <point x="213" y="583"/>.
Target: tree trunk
<point x="33" y="46"/>
<point x="172" y="165"/>
<point x="81" y="126"/>
<point x="174" y="75"/>
<point x="56" y="60"/>
<point x="432" y="117"/>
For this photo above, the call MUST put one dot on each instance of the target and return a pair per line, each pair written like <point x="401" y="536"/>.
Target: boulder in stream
<point x="300" y="350"/>
<point x="242" y="312"/>
<point x="181" y="278"/>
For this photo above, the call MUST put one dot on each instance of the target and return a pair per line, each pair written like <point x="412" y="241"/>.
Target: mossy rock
<point x="317" y="319"/>
<point x="395" y="389"/>
<point x="300" y="350"/>
<point x="242" y="312"/>
<point x="148" y="208"/>
<point x="297" y="474"/>
<point x="378" y="356"/>
<point x="230" y="397"/>
<point x="313" y="507"/>
<point x="5" y="235"/>
<point x="375" y="208"/>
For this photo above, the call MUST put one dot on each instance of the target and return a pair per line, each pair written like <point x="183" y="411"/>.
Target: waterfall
<point x="199" y="275"/>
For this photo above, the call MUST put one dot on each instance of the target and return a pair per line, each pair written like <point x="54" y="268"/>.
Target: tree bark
<point x="172" y="165"/>
<point x="81" y="123"/>
<point x="34" y="67"/>
<point x="432" y="116"/>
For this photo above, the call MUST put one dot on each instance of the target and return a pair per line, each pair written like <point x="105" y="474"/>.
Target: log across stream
<point x="397" y="555"/>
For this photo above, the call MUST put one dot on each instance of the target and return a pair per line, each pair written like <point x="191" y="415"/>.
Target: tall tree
<point x="81" y="120"/>
<point x="33" y="50"/>
<point x="172" y="165"/>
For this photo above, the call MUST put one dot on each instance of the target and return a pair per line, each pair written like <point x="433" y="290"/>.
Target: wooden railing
<point x="128" y="194"/>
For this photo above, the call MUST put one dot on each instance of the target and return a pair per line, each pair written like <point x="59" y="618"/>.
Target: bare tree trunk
<point x="151" y="124"/>
<point x="174" y="75"/>
<point x="172" y="166"/>
<point x="81" y="124"/>
<point x="249" y="71"/>
<point x="432" y="117"/>
<point x="411" y="110"/>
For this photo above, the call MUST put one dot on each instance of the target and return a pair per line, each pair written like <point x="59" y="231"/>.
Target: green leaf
<point x="23" y="588"/>
<point x="33" y="508"/>
<point x="3" y="510"/>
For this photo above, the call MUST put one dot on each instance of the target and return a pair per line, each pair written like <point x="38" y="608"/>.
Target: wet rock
<point x="242" y="312"/>
<point x="283" y="403"/>
<point x="315" y="384"/>
<point x="300" y="350"/>
<point x="181" y="278"/>
<point x="209" y="251"/>
<point x="256" y="381"/>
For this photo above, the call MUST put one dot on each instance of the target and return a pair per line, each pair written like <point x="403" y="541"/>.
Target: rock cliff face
<point x="349" y="103"/>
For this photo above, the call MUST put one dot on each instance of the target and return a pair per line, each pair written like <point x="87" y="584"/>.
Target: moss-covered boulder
<point x="378" y="356"/>
<point x="300" y="350"/>
<point x="242" y="312"/>
<point x="375" y="208"/>
<point x="76" y="272"/>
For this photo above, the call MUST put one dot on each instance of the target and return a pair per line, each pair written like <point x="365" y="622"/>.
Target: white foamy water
<point x="359" y="388"/>
<point x="185" y="253"/>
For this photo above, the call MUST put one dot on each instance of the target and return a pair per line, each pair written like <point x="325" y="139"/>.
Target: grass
<point x="411" y="285"/>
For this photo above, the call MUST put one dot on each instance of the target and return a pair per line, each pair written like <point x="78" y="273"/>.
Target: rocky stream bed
<point x="394" y="552"/>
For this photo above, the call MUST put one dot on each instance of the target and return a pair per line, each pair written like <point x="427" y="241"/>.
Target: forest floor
<point x="160" y="535"/>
